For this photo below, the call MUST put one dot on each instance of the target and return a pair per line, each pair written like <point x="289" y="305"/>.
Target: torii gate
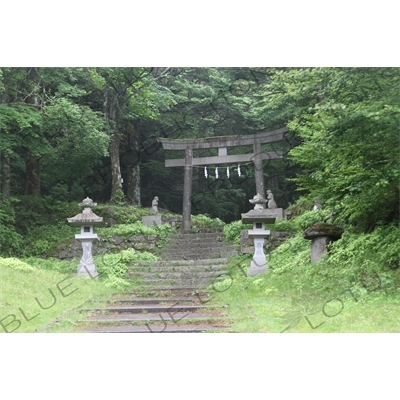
<point x="221" y="143"/>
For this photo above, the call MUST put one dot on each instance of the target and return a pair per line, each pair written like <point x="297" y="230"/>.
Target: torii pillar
<point x="222" y="144"/>
<point x="258" y="168"/>
<point x="187" y="191"/>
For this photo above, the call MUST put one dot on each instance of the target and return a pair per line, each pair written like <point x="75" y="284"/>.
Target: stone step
<point x="193" y="245"/>
<point x="157" y="290"/>
<point x="191" y="235"/>
<point x="178" y="269"/>
<point x="147" y="308"/>
<point x="177" y="275"/>
<point x="196" y="238"/>
<point x="194" y="284"/>
<point x="196" y="256"/>
<point x="130" y="318"/>
<point x="157" y="300"/>
<point x="204" y="261"/>
<point x="203" y="248"/>
<point x="164" y="328"/>
<point x="205" y="230"/>
<point x="206" y="252"/>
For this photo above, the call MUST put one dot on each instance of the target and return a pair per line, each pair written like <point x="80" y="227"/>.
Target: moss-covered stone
<point x="322" y="229"/>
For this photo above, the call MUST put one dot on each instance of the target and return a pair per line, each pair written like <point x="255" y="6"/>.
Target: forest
<point x="68" y="133"/>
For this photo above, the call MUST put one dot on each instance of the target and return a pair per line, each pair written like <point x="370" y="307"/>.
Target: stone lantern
<point x="87" y="220"/>
<point x="258" y="217"/>
<point x="321" y="235"/>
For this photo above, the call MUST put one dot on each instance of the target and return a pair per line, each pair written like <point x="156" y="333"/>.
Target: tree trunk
<point x="32" y="162"/>
<point x="133" y="191"/>
<point x="5" y="176"/>
<point x="116" y="179"/>
<point x="134" y="185"/>
<point x="111" y="114"/>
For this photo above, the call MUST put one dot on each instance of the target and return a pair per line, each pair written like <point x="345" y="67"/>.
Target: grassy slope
<point x="267" y="305"/>
<point x="355" y="288"/>
<point x="23" y="290"/>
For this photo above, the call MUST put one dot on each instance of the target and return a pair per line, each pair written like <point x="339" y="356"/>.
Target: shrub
<point x="205" y="221"/>
<point x="118" y="198"/>
<point x="114" y="267"/>
<point x="16" y="264"/>
<point x="136" y="228"/>
<point x="308" y="218"/>
<point x="232" y="231"/>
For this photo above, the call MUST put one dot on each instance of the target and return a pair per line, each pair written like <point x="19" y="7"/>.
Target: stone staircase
<point x="171" y="295"/>
<point x="206" y="244"/>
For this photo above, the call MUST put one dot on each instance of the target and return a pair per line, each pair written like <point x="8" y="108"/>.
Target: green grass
<point x="32" y="297"/>
<point x="355" y="288"/>
<point x="277" y="312"/>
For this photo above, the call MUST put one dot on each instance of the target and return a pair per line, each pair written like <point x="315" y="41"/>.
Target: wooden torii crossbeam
<point x="221" y="143"/>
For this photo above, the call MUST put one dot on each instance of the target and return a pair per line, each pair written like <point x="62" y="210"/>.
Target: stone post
<point x="321" y="234"/>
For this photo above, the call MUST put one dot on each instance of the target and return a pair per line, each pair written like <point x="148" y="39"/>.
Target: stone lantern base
<point x="86" y="266"/>
<point x="89" y="271"/>
<point x="259" y="263"/>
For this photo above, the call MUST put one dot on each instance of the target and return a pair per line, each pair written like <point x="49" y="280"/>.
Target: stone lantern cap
<point x="258" y="216"/>
<point x="322" y="229"/>
<point x="87" y="216"/>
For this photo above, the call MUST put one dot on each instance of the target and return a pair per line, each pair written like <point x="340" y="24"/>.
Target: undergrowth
<point x="360" y="276"/>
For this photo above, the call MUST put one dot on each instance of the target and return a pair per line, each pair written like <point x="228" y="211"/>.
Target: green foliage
<point x="67" y="121"/>
<point x="347" y="119"/>
<point x="113" y="267"/>
<point x="140" y="256"/>
<point x="232" y="231"/>
<point x="282" y="225"/>
<point x="43" y="223"/>
<point x="120" y="214"/>
<point x="32" y="212"/>
<point x="352" y="260"/>
<point x="205" y="221"/>
<point x="10" y="240"/>
<point x="16" y="264"/>
<point x="301" y="205"/>
<point x="127" y="215"/>
<point x="118" y="198"/>
<point x="308" y="218"/>
<point x="359" y="253"/>
<point x="291" y="255"/>
<point x="115" y="282"/>
<point x="354" y="288"/>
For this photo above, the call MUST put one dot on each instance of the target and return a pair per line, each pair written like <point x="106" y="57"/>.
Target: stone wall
<point x="275" y="239"/>
<point x="73" y="248"/>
